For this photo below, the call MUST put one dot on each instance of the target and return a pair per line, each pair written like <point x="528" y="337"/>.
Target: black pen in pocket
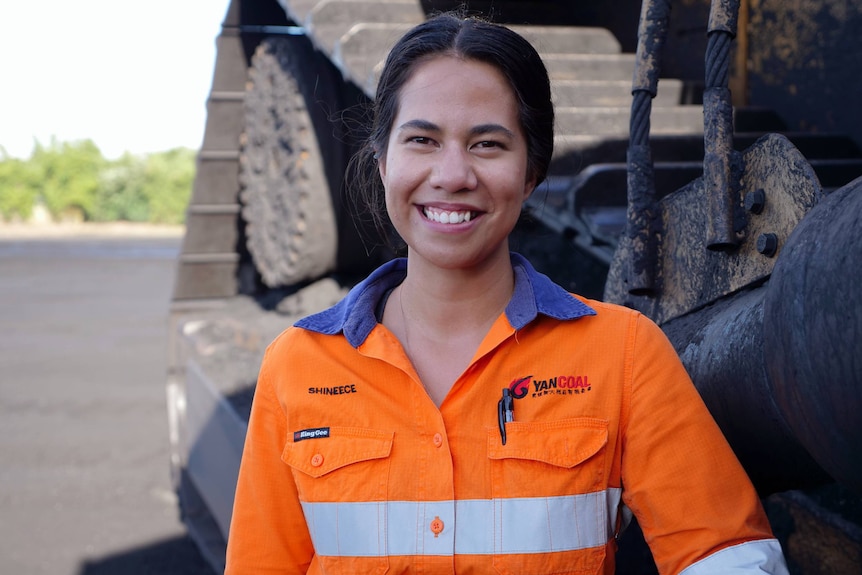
<point x="505" y="412"/>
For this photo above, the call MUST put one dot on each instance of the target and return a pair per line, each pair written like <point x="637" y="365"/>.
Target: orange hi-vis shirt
<point x="349" y="467"/>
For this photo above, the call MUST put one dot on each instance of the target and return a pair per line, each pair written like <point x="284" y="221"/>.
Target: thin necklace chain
<point x="406" y="343"/>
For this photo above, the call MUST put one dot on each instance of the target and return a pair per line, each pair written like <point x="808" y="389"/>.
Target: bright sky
<point x="131" y="76"/>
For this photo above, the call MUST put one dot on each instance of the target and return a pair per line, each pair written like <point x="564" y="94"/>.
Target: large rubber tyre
<point x="292" y="162"/>
<point x="813" y="333"/>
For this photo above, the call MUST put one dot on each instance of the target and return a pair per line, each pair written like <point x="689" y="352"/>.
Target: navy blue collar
<point x="355" y="315"/>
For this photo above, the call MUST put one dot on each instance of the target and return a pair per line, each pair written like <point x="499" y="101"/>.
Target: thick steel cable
<point x="639" y="123"/>
<point x="718" y="126"/>
<point x="641" y="210"/>
<point x="718" y="59"/>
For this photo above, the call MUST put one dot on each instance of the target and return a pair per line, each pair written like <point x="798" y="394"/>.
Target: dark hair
<point x="472" y="39"/>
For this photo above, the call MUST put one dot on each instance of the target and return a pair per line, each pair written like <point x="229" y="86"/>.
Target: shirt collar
<point x="355" y="315"/>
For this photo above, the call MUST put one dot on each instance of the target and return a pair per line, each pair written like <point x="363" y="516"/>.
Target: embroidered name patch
<point x="316" y="433"/>
<point x="335" y="390"/>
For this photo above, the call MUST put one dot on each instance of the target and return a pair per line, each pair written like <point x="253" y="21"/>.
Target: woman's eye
<point x="419" y="140"/>
<point x="488" y="144"/>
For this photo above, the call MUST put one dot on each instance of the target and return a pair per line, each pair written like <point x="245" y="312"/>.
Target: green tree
<point x="19" y="188"/>
<point x="73" y="179"/>
<point x="121" y="194"/>
<point x="168" y="184"/>
<point x="68" y="173"/>
<point x="154" y="188"/>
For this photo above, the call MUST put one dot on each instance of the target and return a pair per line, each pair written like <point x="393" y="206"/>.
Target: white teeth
<point x="447" y="217"/>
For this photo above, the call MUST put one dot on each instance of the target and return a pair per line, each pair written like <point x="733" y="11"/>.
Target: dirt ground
<point x="84" y="481"/>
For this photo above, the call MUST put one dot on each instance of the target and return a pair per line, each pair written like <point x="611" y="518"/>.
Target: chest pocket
<point x="336" y="477"/>
<point x="351" y="464"/>
<point x="536" y="454"/>
<point x="549" y="481"/>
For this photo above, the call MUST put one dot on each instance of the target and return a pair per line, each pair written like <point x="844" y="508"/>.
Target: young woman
<point x="457" y="412"/>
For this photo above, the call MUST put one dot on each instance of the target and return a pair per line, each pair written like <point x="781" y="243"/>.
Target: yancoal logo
<point x="559" y="385"/>
<point x="520" y="387"/>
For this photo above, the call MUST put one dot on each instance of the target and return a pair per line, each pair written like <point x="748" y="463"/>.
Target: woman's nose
<point x="453" y="170"/>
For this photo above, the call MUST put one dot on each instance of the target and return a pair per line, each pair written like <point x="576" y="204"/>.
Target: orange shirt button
<point x="317" y="460"/>
<point x="437" y="526"/>
<point x="438" y="440"/>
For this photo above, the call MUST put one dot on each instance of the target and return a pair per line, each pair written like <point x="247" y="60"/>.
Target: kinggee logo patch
<point x="316" y="433"/>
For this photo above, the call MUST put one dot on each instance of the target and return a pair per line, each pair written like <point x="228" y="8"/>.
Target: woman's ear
<point x="529" y="187"/>
<point x="381" y="164"/>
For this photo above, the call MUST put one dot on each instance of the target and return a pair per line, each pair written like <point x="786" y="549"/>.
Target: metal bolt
<point x="767" y="244"/>
<point x="755" y="201"/>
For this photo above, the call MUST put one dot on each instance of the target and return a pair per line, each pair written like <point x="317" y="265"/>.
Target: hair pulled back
<point x="471" y="39"/>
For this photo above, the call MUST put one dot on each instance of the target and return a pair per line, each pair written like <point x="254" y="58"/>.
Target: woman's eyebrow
<point x="483" y="129"/>
<point x="480" y="130"/>
<point x="423" y="125"/>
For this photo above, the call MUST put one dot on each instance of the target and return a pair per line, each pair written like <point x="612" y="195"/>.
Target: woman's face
<point x="455" y="169"/>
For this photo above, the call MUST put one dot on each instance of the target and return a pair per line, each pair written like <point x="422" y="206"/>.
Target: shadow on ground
<point x="177" y="556"/>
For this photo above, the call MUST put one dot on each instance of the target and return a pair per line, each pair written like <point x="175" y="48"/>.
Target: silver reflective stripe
<point x="470" y="527"/>
<point x="360" y="529"/>
<point x="762" y="556"/>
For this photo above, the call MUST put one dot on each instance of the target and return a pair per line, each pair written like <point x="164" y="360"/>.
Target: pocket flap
<point x="563" y="443"/>
<point x="343" y="446"/>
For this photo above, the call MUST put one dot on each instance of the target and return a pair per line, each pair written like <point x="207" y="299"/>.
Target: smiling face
<point x="455" y="168"/>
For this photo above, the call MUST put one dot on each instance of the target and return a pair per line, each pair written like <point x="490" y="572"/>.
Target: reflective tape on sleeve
<point x="762" y="556"/>
<point x="470" y="527"/>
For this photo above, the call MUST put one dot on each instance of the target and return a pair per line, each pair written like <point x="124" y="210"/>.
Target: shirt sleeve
<point x="268" y="533"/>
<point x="694" y="502"/>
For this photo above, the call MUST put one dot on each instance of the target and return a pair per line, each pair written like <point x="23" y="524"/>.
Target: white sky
<point x="131" y="76"/>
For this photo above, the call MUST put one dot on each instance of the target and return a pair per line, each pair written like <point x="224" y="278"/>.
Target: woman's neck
<point x="441" y="316"/>
<point x="447" y="301"/>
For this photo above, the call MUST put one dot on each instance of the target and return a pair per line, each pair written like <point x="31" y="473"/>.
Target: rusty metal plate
<point x="690" y="276"/>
